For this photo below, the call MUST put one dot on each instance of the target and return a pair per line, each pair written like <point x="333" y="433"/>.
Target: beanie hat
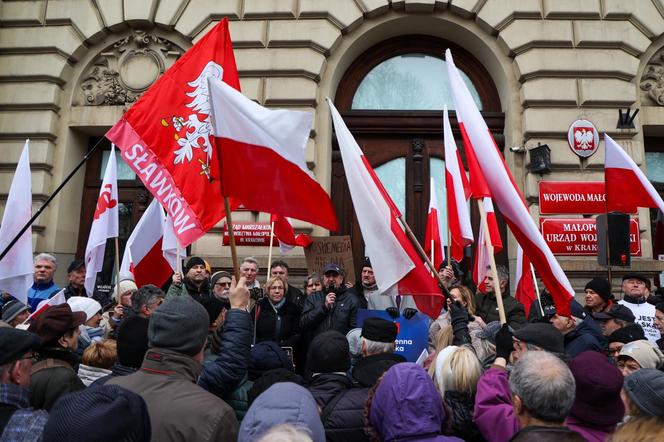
<point x="84" y="304"/>
<point x="132" y="341"/>
<point x="544" y="336"/>
<point x="265" y="356"/>
<point x="645" y="388"/>
<point x="329" y="352"/>
<point x="126" y="285"/>
<point x="193" y="261"/>
<point x="628" y="333"/>
<point x="367" y="262"/>
<point x="12" y="309"/>
<point x="601" y="286"/>
<point x="218" y="275"/>
<point x="598" y="383"/>
<point x="105" y="413"/>
<point x="179" y="324"/>
<point x="644" y="353"/>
<point x="379" y="330"/>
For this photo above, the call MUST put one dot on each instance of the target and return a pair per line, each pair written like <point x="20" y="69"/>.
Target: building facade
<point x="70" y="68"/>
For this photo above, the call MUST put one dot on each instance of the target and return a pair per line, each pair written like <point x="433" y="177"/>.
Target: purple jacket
<point x="494" y="415"/>
<point x="407" y="406"/>
<point x="589" y="433"/>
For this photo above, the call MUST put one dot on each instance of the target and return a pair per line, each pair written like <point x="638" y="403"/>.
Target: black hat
<point x="456" y="269"/>
<point x="329" y="352"/>
<point x="14" y="343"/>
<point x="379" y="330"/>
<point x="331" y="267"/>
<point x="617" y="311"/>
<point x="75" y="265"/>
<point x="601" y="286"/>
<point x="133" y="341"/>
<point x="193" y="261"/>
<point x="545" y="336"/>
<point x="367" y="262"/>
<point x="638" y="276"/>
<point x="628" y="333"/>
<point x="266" y="356"/>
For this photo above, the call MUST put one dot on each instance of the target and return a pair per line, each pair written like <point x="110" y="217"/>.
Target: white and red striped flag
<point x="433" y="237"/>
<point x="104" y="224"/>
<point x="620" y="173"/>
<point x="524" y="291"/>
<point x="505" y="192"/>
<point x="393" y="256"/>
<point x="57" y="299"/>
<point x="458" y="191"/>
<point x="283" y="231"/>
<point x="482" y="259"/>
<point x="169" y="246"/>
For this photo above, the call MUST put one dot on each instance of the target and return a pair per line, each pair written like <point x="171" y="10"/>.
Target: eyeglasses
<point x="223" y="284"/>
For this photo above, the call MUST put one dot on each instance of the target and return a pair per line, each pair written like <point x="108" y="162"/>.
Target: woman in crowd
<point x="98" y="359"/>
<point x="122" y="307"/>
<point x="91" y="330"/>
<point x="637" y="355"/>
<point x="313" y="284"/>
<point x="276" y="318"/>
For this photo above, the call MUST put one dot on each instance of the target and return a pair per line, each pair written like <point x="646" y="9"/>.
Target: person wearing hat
<point x="486" y="305"/>
<point x="341" y="404"/>
<point x="371" y="297"/>
<point x="15" y="312"/>
<point x="625" y="335"/>
<point x="196" y="284"/>
<point x="450" y="273"/>
<point x="17" y="420"/>
<point x="637" y="355"/>
<point x="597" y="407"/>
<point x="598" y="295"/>
<point x="580" y="332"/>
<point x="221" y="284"/>
<point x="54" y="372"/>
<point x="111" y="319"/>
<point x="76" y="279"/>
<point x="643" y="393"/>
<point x="334" y="308"/>
<point x="637" y="288"/>
<point x="378" y="343"/>
<point x="177" y="334"/>
<point x="90" y="330"/>
<point x="536" y="336"/>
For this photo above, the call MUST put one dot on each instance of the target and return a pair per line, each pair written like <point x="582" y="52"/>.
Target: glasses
<point x="30" y="356"/>
<point x="222" y="284"/>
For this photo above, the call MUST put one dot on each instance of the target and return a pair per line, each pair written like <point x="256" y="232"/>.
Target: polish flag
<point x="283" y="231"/>
<point x="17" y="268"/>
<point x="392" y="255"/>
<point x="505" y="193"/>
<point x="620" y="173"/>
<point x="434" y="235"/>
<point x="57" y="299"/>
<point x="264" y="149"/>
<point x="458" y="191"/>
<point x="169" y="246"/>
<point x="482" y="259"/>
<point x="525" y="286"/>
<point x="104" y="225"/>
<point x="143" y="252"/>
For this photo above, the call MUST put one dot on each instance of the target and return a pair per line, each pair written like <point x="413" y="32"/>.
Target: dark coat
<point x="460" y="406"/>
<point x="52" y="376"/>
<point x="295" y="295"/>
<point x="280" y="325"/>
<point x="486" y="307"/>
<point x="341" y="317"/>
<point x="369" y="368"/>
<point x="342" y="407"/>
<point x="587" y="336"/>
<point x="202" y="294"/>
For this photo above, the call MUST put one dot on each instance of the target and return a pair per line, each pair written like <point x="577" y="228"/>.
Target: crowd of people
<point x="212" y="359"/>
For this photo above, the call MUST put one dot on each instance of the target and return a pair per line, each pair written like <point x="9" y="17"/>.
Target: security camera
<point x="517" y="149"/>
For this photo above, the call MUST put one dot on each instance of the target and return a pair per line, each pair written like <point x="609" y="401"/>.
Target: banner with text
<point x="249" y="234"/>
<point x="578" y="237"/>
<point x="412" y="333"/>
<point x="577" y="197"/>
<point x="330" y="249"/>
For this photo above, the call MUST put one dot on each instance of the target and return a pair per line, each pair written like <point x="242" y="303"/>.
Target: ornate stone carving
<point x="126" y="69"/>
<point x="652" y="80"/>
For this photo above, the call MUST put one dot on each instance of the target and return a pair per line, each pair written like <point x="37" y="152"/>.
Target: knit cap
<point x="12" y="309"/>
<point x="645" y="388"/>
<point x="601" y="286"/>
<point x="179" y="324"/>
<point x="644" y="353"/>
<point x="329" y="352"/>
<point x="84" y="304"/>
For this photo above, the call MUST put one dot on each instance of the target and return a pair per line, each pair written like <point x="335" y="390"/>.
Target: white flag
<point x="16" y="268"/>
<point x="169" y="245"/>
<point x="104" y="225"/>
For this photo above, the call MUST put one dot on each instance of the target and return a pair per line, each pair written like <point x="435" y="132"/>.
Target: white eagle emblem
<point x="585" y="138"/>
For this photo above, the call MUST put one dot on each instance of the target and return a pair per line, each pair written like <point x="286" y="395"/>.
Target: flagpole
<point x="269" y="253"/>
<point x="432" y="252"/>
<point x="492" y="262"/>
<point x="539" y="300"/>
<point x="231" y="237"/>
<point x="117" y="267"/>
<point x="178" y="262"/>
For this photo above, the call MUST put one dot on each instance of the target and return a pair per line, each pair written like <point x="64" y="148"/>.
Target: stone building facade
<point x="70" y="68"/>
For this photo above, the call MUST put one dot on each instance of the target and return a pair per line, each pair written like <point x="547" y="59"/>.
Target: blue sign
<point x="413" y="333"/>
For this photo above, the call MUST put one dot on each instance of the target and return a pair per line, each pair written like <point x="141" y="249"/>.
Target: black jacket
<point x="369" y="368"/>
<point x="53" y="375"/>
<point x="486" y="307"/>
<point x="295" y="295"/>
<point x="342" y="407"/>
<point x="587" y="336"/>
<point x="70" y="291"/>
<point x="341" y="317"/>
<point x="279" y="325"/>
<point x="459" y="407"/>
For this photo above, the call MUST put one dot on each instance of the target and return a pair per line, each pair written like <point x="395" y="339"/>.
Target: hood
<point x="282" y="403"/>
<point x="406" y="404"/>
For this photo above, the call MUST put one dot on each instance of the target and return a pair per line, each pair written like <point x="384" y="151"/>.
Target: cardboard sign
<point x="583" y="138"/>
<point x="330" y="249"/>
<point x="578" y="197"/>
<point x="249" y="234"/>
<point x="578" y="237"/>
<point x="413" y="333"/>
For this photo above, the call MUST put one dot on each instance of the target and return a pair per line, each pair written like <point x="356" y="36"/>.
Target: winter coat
<point x="89" y="374"/>
<point x="295" y="295"/>
<point x="179" y="409"/>
<point x="535" y="432"/>
<point x="460" y="405"/>
<point x="486" y="307"/>
<point x="368" y="369"/>
<point x="72" y="291"/>
<point x="40" y="292"/>
<point x="587" y="336"/>
<point x="341" y="317"/>
<point x="52" y="376"/>
<point x="202" y="294"/>
<point x="494" y="415"/>
<point x="407" y="406"/>
<point x="238" y="399"/>
<point x="281" y="325"/>
<point x="341" y="405"/>
<point x="590" y="434"/>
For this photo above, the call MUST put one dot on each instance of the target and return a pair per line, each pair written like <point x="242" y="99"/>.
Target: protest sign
<point x="413" y="333"/>
<point x="326" y="249"/>
<point x="249" y="234"/>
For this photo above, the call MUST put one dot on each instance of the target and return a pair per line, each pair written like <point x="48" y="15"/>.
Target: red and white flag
<point x="458" y="191"/>
<point x="169" y="246"/>
<point x="143" y="253"/>
<point x="165" y="137"/>
<point x="482" y="259"/>
<point x="621" y="173"/>
<point x="262" y="157"/>
<point x="392" y="255"/>
<point x="283" y="231"/>
<point x="104" y="224"/>
<point x="17" y="268"/>
<point x="505" y="193"/>
<point x="433" y="238"/>
<point x="525" y="286"/>
<point x="57" y="299"/>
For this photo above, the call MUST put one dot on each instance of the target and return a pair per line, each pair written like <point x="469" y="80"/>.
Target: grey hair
<point x="45" y="257"/>
<point x="249" y="259"/>
<point x="286" y="433"/>
<point x="503" y="273"/>
<point x="375" y="347"/>
<point x="545" y="385"/>
<point x="146" y="296"/>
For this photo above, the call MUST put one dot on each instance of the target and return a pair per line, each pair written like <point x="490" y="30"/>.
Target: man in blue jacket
<point x="43" y="287"/>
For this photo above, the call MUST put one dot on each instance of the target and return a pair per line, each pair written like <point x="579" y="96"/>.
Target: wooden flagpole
<point x="539" y="300"/>
<point x="421" y="251"/>
<point x="231" y="237"/>
<point x="492" y="262"/>
<point x="269" y="253"/>
<point x="178" y="262"/>
<point x="432" y="252"/>
<point x="117" y="267"/>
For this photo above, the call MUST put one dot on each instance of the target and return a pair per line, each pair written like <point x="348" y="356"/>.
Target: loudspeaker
<point x="615" y="225"/>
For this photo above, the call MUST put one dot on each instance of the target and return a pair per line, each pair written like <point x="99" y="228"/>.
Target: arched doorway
<point x="391" y="99"/>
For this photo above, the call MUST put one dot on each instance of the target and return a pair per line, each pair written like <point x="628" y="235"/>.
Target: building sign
<point x="249" y="234"/>
<point x="330" y="249"/>
<point x="576" y="197"/>
<point x="578" y="237"/>
<point x="583" y="138"/>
